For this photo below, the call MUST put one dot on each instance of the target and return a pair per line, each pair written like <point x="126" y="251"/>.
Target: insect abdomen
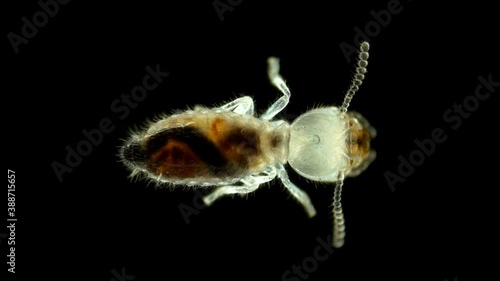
<point x="207" y="148"/>
<point x="183" y="152"/>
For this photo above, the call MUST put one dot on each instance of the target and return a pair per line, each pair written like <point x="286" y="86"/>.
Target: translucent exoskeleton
<point x="229" y="148"/>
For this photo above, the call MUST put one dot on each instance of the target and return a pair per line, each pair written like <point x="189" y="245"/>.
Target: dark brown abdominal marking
<point x="183" y="152"/>
<point x="239" y="145"/>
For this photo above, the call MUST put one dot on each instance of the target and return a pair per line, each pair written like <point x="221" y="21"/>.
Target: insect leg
<point x="228" y="189"/>
<point x="243" y="105"/>
<point x="298" y="193"/>
<point x="278" y="82"/>
<point x="248" y="184"/>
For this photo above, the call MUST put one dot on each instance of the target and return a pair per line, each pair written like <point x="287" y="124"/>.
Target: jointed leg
<point x="298" y="193"/>
<point x="243" y="105"/>
<point x="248" y="184"/>
<point x="278" y="82"/>
<point x="228" y="189"/>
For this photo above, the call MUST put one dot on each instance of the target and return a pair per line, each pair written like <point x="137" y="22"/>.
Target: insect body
<point x="229" y="148"/>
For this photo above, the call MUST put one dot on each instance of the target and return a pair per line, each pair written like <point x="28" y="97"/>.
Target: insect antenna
<point x="338" y="214"/>
<point x="358" y="77"/>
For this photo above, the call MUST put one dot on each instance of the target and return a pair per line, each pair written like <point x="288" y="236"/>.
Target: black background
<point x="423" y="62"/>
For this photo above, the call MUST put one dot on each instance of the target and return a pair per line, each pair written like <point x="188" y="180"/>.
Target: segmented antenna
<point x="358" y="77"/>
<point x="338" y="214"/>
